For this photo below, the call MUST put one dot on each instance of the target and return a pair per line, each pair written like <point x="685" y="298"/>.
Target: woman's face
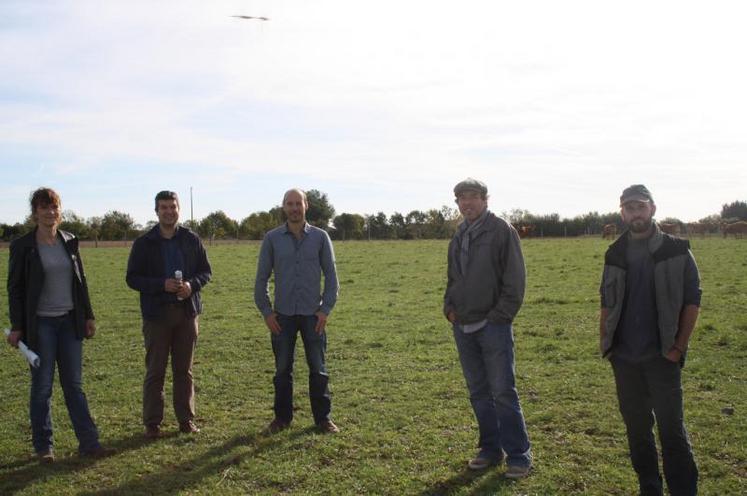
<point x="49" y="215"/>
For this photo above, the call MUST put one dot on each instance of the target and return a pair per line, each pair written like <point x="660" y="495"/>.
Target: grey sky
<point x="383" y="105"/>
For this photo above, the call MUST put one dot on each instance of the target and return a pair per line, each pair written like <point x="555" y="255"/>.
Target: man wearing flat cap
<point x="484" y="291"/>
<point x="650" y="295"/>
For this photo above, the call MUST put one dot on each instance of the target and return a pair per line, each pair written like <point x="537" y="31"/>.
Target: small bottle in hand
<point x="178" y="276"/>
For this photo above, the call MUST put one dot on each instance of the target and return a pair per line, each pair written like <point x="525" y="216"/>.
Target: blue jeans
<point x="315" y="345"/>
<point x="487" y="358"/>
<point x="58" y="343"/>
<point x="648" y="390"/>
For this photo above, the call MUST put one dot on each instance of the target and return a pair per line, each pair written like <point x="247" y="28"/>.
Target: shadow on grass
<point x="24" y="471"/>
<point x="490" y="481"/>
<point x="179" y="477"/>
<point x="18" y="463"/>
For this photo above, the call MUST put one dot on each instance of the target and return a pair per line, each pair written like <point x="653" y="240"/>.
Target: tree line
<point x="429" y="224"/>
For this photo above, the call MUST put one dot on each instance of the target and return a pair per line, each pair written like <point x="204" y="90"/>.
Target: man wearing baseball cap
<point x="650" y="299"/>
<point x="484" y="291"/>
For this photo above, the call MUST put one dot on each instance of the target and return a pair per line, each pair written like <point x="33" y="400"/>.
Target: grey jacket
<point x="493" y="287"/>
<point x="670" y="257"/>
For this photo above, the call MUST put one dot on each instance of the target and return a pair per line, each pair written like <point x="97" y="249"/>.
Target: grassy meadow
<point x="398" y="392"/>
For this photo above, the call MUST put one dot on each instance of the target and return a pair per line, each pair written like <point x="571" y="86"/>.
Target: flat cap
<point x="636" y="192"/>
<point x="471" y="184"/>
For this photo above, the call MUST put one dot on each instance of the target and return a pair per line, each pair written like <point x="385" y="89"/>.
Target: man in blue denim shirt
<point x="298" y="253"/>
<point x="485" y="289"/>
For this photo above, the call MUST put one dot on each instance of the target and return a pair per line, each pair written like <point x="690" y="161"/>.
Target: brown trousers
<point x="174" y="333"/>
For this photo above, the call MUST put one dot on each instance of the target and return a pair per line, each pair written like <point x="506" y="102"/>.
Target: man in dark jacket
<point x="650" y="302"/>
<point x="485" y="289"/>
<point x="169" y="266"/>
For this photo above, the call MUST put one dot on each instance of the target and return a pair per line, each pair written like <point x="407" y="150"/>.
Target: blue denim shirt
<point x="298" y="265"/>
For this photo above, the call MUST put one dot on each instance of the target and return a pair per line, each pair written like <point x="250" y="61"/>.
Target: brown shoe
<point x="517" y="471"/>
<point x="99" y="452"/>
<point x="276" y="426"/>
<point x="45" y="456"/>
<point x="152" y="431"/>
<point x="328" y="427"/>
<point x="188" y="427"/>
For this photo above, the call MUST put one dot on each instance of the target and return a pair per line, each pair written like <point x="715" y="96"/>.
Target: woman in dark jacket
<point x="51" y="311"/>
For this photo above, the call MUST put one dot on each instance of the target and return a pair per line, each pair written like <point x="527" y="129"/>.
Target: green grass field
<point x="398" y="393"/>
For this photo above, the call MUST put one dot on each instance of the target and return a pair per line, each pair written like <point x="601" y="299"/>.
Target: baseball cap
<point x="636" y="192"/>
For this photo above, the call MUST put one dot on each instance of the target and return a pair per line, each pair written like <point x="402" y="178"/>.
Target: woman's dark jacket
<point x="26" y="279"/>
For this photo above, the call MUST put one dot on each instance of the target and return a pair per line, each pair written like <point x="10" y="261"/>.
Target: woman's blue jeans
<point x="58" y="343"/>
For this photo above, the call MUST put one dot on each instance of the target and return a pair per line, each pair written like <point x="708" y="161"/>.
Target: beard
<point x="639" y="226"/>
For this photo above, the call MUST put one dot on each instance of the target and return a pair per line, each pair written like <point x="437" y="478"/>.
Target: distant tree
<point x="24" y="228"/>
<point x="377" y="226"/>
<point x="711" y="219"/>
<point x="278" y="214"/>
<point x="11" y="232"/>
<point x="613" y="218"/>
<point x="735" y="210"/>
<point x="257" y="224"/>
<point x="218" y="225"/>
<point x="434" y="225"/>
<point x="712" y="222"/>
<point x="590" y="223"/>
<point x="397" y="225"/>
<point x="71" y="222"/>
<point x="117" y="226"/>
<point x="94" y="228"/>
<point x="28" y="224"/>
<point x="450" y="214"/>
<point x="415" y="224"/>
<point x="671" y="220"/>
<point x="320" y="210"/>
<point x="517" y="216"/>
<point x="190" y="224"/>
<point x="441" y="224"/>
<point x="348" y="226"/>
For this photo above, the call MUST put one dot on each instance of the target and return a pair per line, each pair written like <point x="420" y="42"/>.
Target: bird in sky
<point x="252" y="17"/>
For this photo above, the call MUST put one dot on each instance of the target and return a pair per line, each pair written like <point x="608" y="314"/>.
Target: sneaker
<point x="188" y="427"/>
<point x="152" y="431"/>
<point x="328" y="427"/>
<point x="45" y="456"/>
<point x="98" y="452"/>
<point x="517" y="471"/>
<point x="276" y="426"/>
